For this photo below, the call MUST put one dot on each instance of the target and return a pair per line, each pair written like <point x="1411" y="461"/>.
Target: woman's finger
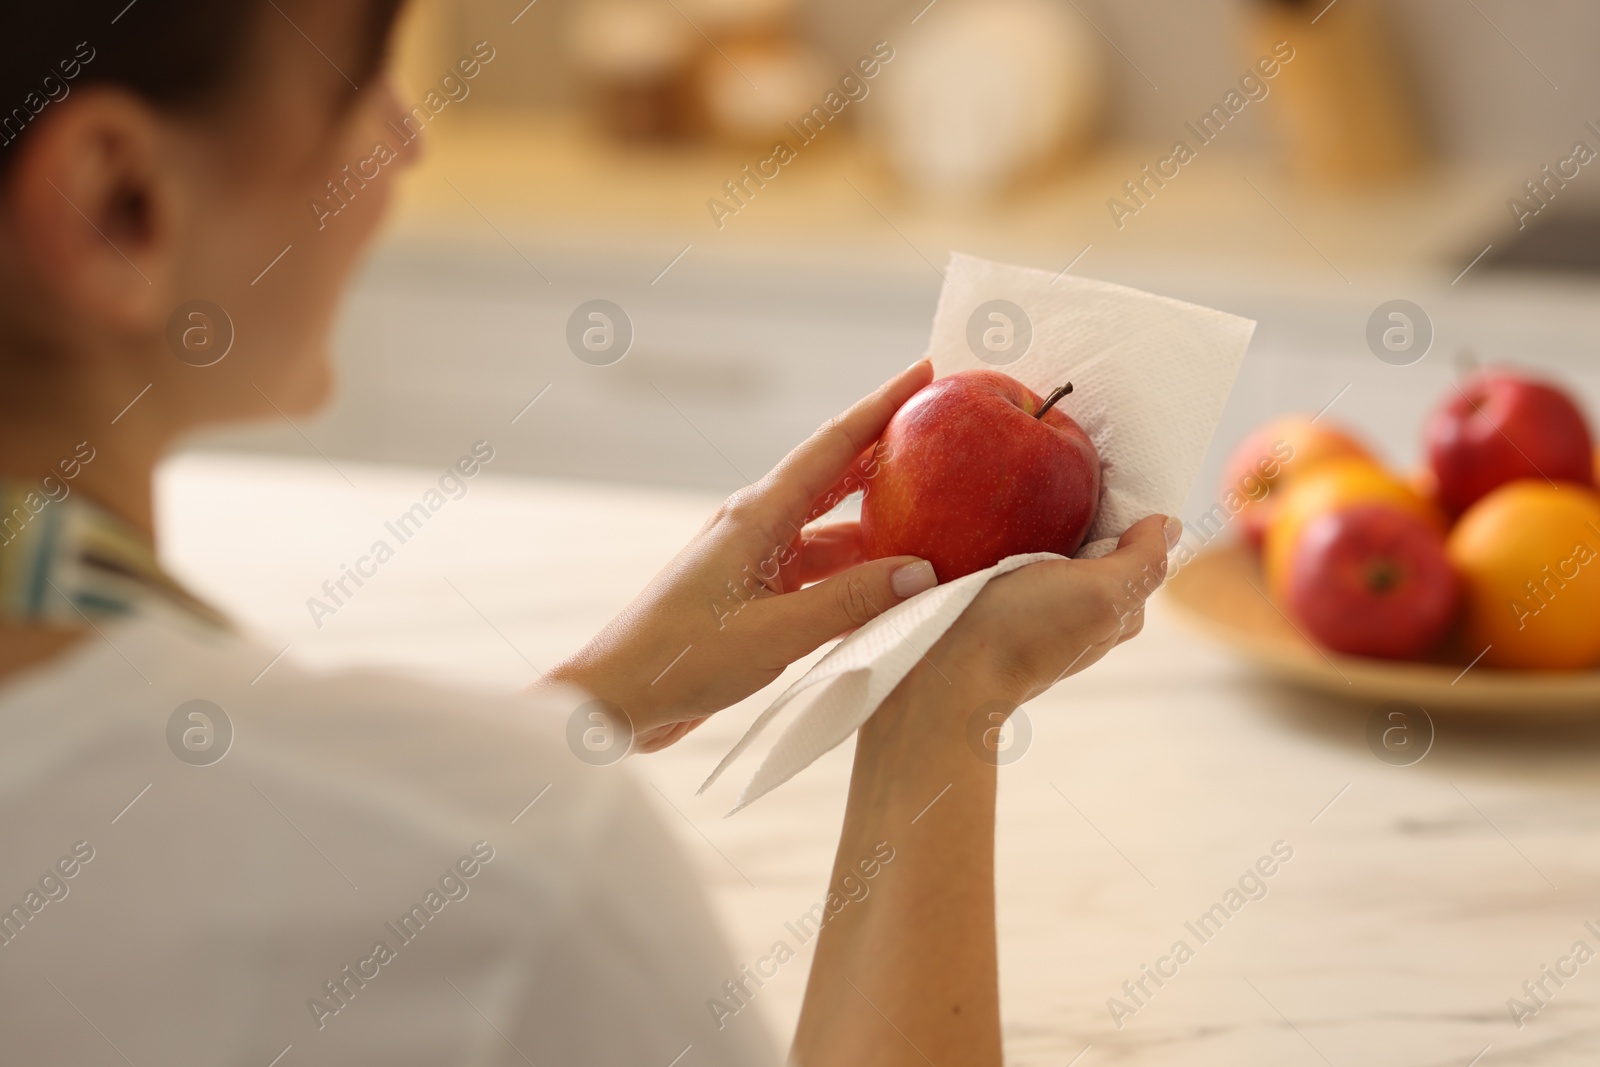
<point x="827" y="550"/>
<point x="664" y="736"/>
<point x="805" y="475"/>
<point x="797" y="623"/>
<point x="857" y="475"/>
<point x="1141" y="553"/>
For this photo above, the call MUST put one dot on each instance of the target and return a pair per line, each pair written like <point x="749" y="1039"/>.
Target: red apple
<point x="1373" y="580"/>
<point x="975" y="468"/>
<point x="1497" y="427"/>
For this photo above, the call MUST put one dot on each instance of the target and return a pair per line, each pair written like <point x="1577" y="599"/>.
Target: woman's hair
<point x="177" y="54"/>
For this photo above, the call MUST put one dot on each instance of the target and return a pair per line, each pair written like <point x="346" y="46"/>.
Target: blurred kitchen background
<point x="577" y="165"/>
<point x="580" y="162"/>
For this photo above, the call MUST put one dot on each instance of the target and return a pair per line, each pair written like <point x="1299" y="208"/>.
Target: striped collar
<point x="66" y="562"/>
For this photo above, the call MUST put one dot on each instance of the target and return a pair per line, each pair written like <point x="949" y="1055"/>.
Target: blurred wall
<point x="1500" y="79"/>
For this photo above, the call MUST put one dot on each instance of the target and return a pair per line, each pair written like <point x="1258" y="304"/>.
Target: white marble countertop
<point x="1418" y="899"/>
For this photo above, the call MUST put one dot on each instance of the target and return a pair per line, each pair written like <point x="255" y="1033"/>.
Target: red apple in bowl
<point x="1497" y="427"/>
<point x="1373" y="580"/>
<point x="976" y="467"/>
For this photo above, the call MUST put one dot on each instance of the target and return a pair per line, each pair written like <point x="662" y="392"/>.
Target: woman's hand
<point x="1025" y="630"/>
<point x="737" y="606"/>
<point x="1031" y="628"/>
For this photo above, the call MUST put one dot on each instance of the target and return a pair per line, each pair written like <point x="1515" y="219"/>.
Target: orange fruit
<point x="1270" y="457"/>
<point x="1529" y="557"/>
<point x="1336" y="483"/>
<point x="1426" y="483"/>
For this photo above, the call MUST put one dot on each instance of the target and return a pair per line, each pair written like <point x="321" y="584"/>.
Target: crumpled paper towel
<point x="1150" y="377"/>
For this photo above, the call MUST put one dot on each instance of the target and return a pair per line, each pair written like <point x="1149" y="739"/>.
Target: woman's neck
<point x="107" y="456"/>
<point x="57" y="469"/>
<point x="106" y="471"/>
<point x="103" y="454"/>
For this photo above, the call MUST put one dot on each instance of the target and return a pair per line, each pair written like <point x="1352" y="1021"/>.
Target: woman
<point x="350" y="884"/>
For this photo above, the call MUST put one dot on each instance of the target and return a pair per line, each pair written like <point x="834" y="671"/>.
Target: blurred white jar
<point x="982" y="92"/>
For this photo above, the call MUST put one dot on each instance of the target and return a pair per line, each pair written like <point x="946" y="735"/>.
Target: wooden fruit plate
<point x="1222" y="593"/>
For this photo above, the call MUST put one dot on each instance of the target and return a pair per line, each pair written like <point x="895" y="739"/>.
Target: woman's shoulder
<point x="218" y="832"/>
<point x="160" y="686"/>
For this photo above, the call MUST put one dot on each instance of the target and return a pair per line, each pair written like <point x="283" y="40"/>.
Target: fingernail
<point x="917" y="363"/>
<point x="912" y="579"/>
<point x="1173" y="529"/>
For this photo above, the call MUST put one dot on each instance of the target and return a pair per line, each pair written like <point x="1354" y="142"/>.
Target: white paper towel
<point x="1150" y="376"/>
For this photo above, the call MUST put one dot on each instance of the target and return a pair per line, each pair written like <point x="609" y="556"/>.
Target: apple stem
<point x="1050" y="401"/>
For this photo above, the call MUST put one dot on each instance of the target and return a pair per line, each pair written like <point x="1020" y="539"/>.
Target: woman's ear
<point x="94" y="198"/>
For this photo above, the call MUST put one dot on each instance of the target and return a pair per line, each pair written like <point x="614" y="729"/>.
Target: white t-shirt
<point x="346" y="883"/>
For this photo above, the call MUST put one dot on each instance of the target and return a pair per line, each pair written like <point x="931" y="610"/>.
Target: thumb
<point x="1141" y="553"/>
<point x="801" y="621"/>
